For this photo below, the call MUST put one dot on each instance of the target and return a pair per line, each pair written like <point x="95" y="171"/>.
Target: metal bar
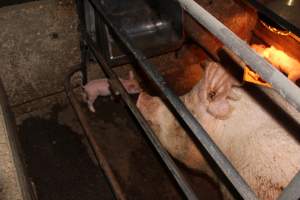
<point x="223" y="163"/>
<point x="84" y="60"/>
<point x="117" y="86"/>
<point x="280" y="83"/>
<point x="151" y="136"/>
<point x="83" y="48"/>
<point x="119" y="194"/>
<point x="276" y="98"/>
<point x="292" y="191"/>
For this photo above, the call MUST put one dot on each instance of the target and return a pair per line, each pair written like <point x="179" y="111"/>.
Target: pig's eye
<point x="211" y="95"/>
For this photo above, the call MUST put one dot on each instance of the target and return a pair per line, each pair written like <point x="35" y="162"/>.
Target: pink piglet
<point x="101" y="87"/>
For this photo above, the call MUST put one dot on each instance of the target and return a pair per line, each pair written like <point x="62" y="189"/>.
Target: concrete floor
<point x="38" y="41"/>
<point x="9" y="186"/>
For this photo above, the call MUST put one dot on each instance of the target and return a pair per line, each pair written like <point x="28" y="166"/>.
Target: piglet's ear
<point x="131" y="75"/>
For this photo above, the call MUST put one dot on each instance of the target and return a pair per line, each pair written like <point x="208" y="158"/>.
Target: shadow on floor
<point x="58" y="163"/>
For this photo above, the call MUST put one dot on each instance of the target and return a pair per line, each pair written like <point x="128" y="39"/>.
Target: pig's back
<point x="260" y="146"/>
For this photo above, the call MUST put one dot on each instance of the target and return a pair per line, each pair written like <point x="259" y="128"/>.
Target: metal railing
<point x="280" y="83"/>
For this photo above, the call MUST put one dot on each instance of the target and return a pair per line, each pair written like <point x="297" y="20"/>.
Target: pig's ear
<point x="131" y="75"/>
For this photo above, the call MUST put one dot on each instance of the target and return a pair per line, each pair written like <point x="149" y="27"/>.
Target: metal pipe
<point x="280" y="83"/>
<point x="213" y="150"/>
<point x="276" y="98"/>
<point x="118" y="87"/>
<point x="119" y="194"/>
<point x="292" y="191"/>
<point x="83" y="48"/>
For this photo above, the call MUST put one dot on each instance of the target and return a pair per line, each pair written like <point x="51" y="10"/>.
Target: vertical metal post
<point x="83" y="47"/>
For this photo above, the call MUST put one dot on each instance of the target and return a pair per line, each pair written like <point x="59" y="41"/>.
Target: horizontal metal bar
<point x="223" y="163"/>
<point x="292" y="191"/>
<point x="117" y="86"/>
<point x="280" y="83"/>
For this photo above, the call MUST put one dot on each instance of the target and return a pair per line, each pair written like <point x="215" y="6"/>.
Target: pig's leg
<point x="91" y="106"/>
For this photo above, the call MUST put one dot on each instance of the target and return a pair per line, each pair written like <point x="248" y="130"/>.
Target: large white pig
<point x="259" y="144"/>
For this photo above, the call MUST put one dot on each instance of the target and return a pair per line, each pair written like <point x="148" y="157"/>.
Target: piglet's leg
<point x="91" y="106"/>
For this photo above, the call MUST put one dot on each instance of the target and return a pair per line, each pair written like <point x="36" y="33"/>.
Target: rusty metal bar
<point x="213" y="150"/>
<point x="280" y="83"/>
<point x="118" y="192"/>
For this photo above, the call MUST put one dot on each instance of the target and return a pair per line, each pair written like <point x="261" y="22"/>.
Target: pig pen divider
<point x="98" y="152"/>
<point x="280" y="83"/>
<point x="215" y="153"/>
<point x="119" y="88"/>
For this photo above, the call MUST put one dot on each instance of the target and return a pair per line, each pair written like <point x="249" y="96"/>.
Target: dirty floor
<point x="61" y="167"/>
<point x="9" y="186"/>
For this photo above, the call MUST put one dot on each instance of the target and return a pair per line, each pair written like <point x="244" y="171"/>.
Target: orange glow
<point x="252" y="77"/>
<point x="280" y="60"/>
<point x="280" y="32"/>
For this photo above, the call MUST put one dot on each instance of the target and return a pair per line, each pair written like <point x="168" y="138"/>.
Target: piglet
<point x="101" y="87"/>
